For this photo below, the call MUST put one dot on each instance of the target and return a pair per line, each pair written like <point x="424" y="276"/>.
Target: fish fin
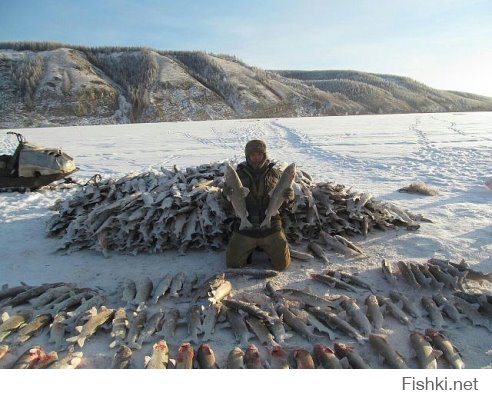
<point x="141" y="306"/>
<point x="146" y="360"/>
<point x="5" y="316"/>
<point x="70" y="314"/>
<point x="92" y="311"/>
<point x="79" y="328"/>
<point x="437" y="353"/>
<point x="343" y="315"/>
<point x="81" y="341"/>
<point x="245" y="191"/>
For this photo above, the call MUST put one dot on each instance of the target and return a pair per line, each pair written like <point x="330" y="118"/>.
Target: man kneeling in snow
<point x="258" y="175"/>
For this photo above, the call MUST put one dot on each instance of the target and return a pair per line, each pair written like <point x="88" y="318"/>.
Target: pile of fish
<point x="181" y="209"/>
<point x="178" y="312"/>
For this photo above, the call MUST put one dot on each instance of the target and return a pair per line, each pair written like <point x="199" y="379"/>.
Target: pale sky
<point x="446" y="44"/>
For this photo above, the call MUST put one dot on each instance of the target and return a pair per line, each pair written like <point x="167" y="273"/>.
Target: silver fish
<point x="162" y="287"/>
<point x="122" y="357"/>
<point x="392" y="357"/>
<point x="426" y="354"/>
<point x="210" y="314"/>
<point x="279" y="358"/>
<point x="168" y="328"/>
<point x="348" y="278"/>
<point x="443" y="277"/>
<point x="251" y="272"/>
<point x="249" y="308"/>
<point x="348" y="244"/>
<point x="235" y="359"/>
<point x="306" y="298"/>
<point x="433" y="312"/>
<point x="277" y="197"/>
<point x="252" y="358"/>
<point x="29" y="358"/>
<point x="177" y="284"/>
<point x="137" y="323"/>
<point x="325" y="357"/>
<point x="309" y="319"/>
<point x="407" y="304"/>
<point x="184" y="359"/>
<point x="300" y="255"/>
<point x="13" y="323"/>
<point x="57" y="331"/>
<point x="446" y="307"/>
<point x="49" y="295"/>
<point x="34" y="292"/>
<point x="332" y="320"/>
<point x="318" y="251"/>
<point x="336" y="245"/>
<point x="393" y="310"/>
<point x="296" y="324"/>
<point x="71" y="361"/>
<point x="159" y="358"/>
<point x="239" y="327"/>
<point x="450" y="353"/>
<point x="406" y="272"/>
<point x="303" y="359"/>
<point x="218" y="294"/>
<point x="353" y="358"/>
<point x="13" y="291"/>
<point x="261" y="331"/>
<point x="32" y="328"/>
<point x="374" y="313"/>
<point x="194" y="323"/>
<point x="96" y="319"/>
<point x="419" y="276"/>
<point x="332" y="281"/>
<point x="237" y="196"/>
<point x="120" y="327"/>
<point x="205" y="357"/>
<point x="470" y="312"/>
<point x="151" y="326"/>
<point x="129" y="291"/>
<point x="357" y="316"/>
<point x="388" y="272"/>
<point x="144" y="289"/>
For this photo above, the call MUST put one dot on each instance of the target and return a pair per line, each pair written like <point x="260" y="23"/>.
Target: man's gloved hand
<point x="289" y="194"/>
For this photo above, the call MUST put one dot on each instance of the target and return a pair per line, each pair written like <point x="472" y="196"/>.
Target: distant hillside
<point x="51" y="84"/>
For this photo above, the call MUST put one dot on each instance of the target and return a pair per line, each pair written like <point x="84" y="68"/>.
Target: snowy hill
<point x="49" y="84"/>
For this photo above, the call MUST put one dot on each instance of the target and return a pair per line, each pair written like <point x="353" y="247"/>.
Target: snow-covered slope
<point x="47" y="84"/>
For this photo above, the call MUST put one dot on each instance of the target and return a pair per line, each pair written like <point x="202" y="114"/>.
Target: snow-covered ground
<point x="451" y="152"/>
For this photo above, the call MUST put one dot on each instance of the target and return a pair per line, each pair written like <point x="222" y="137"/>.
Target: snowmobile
<point x="33" y="166"/>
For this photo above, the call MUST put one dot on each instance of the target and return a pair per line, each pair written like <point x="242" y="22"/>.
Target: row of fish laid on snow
<point x="435" y="274"/>
<point x="181" y="209"/>
<point x="428" y="348"/>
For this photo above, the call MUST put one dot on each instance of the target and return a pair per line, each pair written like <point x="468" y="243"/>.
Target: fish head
<point x="291" y="170"/>
<point x="161" y="346"/>
<point x="278" y="351"/>
<point x="206" y="349"/>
